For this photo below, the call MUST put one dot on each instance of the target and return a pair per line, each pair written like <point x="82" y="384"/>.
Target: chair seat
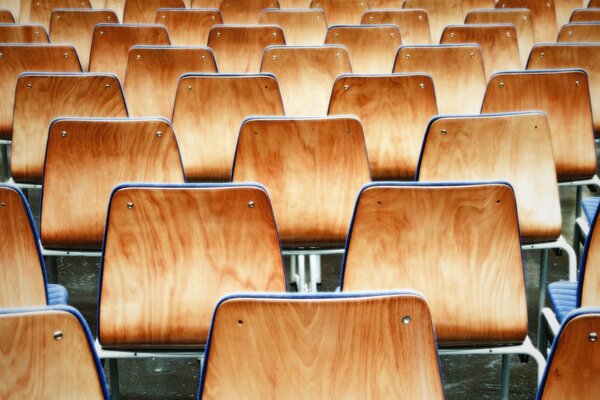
<point x="563" y="297"/>
<point x="57" y="294"/>
<point x="589" y="207"/>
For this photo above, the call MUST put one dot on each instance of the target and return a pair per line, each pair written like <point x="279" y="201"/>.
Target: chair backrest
<point x="49" y="355"/>
<point x="244" y="12"/>
<point x="588" y="289"/>
<point x="188" y="27"/>
<point x="240" y="48"/>
<point x="365" y="333"/>
<point x="519" y="17"/>
<point x="312" y="192"/>
<point x="117" y="6"/>
<point x="564" y="9"/>
<point x="202" y="242"/>
<point x="41" y="10"/>
<point x="111" y="44"/>
<point x="457" y="71"/>
<point x="514" y="148"/>
<point x="543" y="13"/>
<point x="144" y="11"/>
<point x="564" y="95"/>
<point x="394" y="111"/>
<point x="77" y="27"/>
<point x="594" y="4"/>
<point x="209" y="110"/>
<point x="300" y="27"/>
<point x="41" y="97"/>
<point x="585" y="15"/>
<point x="17" y="59"/>
<point x="306" y="75"/>
<point x="580" y="32"/>
<point x="436" y="239"/>
<point x="574" y="361"/>
<point x="413" y="24"/>
<point x="341" y="12"/>
<point x="23" y="33"/>
<point x="371" y="48"/>
<point x="441" y="14"/>
<point x="6" y="17"/>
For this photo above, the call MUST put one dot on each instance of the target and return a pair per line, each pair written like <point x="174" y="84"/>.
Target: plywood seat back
<point x="188" y="27"/>
<point x="42" y="97"/>
<point x="23" y="33"/>
<point x="6" y="16"/>
<point x="144" y="11"/>
<point x="413" y="24"/>
<point x="545" y="26"/>
<point x="244" y="12"/>
<point x="394" y="111"/>
<point x="456" y="244"/>
<point x="294" y="3"/>
<point x="588" y="293"/>
<point x="306" y="75"/>
<point x="564" y="95"/>
<point x="340" y="12"/>
<point x="564" y="9"/>
<point x="457" y="71"/>
<point x="385" y="4"/>
<point x="187" y="246"/>
<point x="365" y="333"/>
<point x="209" y="111"/>
<point x="441" y="14"/>
<point x="300" y="27"/>
<point x="585" y="15"/>
<point x="41" y="10"/>
<point x="117" y="6"/>
<point x="206" y="4"/>
<point x="313" y="193"/>
<point x="594" y="4"/>
<point x="580" y="32"/>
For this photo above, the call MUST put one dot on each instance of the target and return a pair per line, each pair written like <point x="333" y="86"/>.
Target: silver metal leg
<point x="505" y="376"/>
<point x="318" y="277"/>
<point x="113" y="369"/>
<point x="301" y="273"/>
<point x="5" y="171"/>
<point x="293" y="268"/>
<point x="314" y="262"/>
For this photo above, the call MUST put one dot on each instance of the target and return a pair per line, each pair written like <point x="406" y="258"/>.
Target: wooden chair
<point x="340" y="12"/>
<point x="188" y="27"/>
<point x="300" y="27"/>
<point x="23" y="33"/>
<point x="209" y="110"/>
<point x="49" y="355"/>
<point x="306" y="75"/>
<point x="545" y="27"/>
<point x="371" y="48"/>
<point x="564" y="9"/>
<point x="41" y="10"/>
<point x="77" y="27"/>
<point x="519" y="17"/>
<point x="435" y="239"/>
<point x="6" y="16"/>
<point x="144" y="11"/>
<point x="240" y="49"/>
<point x="585" y="15"/>
<point x="413" y="24"/>
<point x="394" y="111"/>
<point x="580" y="32"/>
<point x="245" y="356"/>
<point x="457" y="71"/>
<point x="244" y="12"/>
<point x="111" y="44"/>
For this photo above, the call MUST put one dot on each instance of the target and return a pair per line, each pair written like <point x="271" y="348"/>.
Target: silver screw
<point x="107" y="86"/>
<point x="130" y="205"/>
<point x="58" y="335"/>
<point x="593" y="336"/>
<point x="406" y="319"/>
<point x="422" y="85"/>
<point x="346" y="87"/>
<point x="577" y="83"/>
<point x="159" y="134"/>
<point x="250" y="204"/>
<point x="138" y="57"/>
<point x="443" y="132"/>
<point x="64" y="133"/>
<point x="29" y="86"/>
<point x="501" y="85"/>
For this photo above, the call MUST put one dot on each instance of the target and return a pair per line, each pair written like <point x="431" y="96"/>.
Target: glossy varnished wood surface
<point x="209" y="111"/>
<point x="306" y="76"/>
<point x="111" y="44"/>
<point x="512" y="148"/>
<point x="171" y="257"/>
<point x="206" y="4"/>
<point x="6" y="16"/>
<point x="244" y="12"/>
<point x="579" y="32"/>
<point x="386" y="4"/>
<point x="342" y="11"/>
<point x="188" y="27"/>
<point x="42" y="9"/>
<point x="413" y="24"/>
<point x="590" y="287"/>
<point x="372" y="48"/>
<point x="564" y="97"/>
<point x="312" y="192"/>
<point x="300" y="27"/>
<point x="41" y="98"/>
<point x="585" y="15"/>
<point x="23" y="33"/>
<point x="436" y="240"/>
<point x="594" y="4"/>
<point x="294" y="3"/>
<point x="117" y="6"/>
<point x="394" y="111"/>
<point x="144" y="11"/>
<point x="457" y="71"/>
<point x="76" y="27"/>
<point x="564" y="9"/>
<point x="17" y="59"/>
<point x="239" y="49"/>
<point x="312" y="339"/>
<point x="441" y="14"/>
<point x="545" y="27"/>
<point x="10" y="10"/>
<point x="37" y="366"/>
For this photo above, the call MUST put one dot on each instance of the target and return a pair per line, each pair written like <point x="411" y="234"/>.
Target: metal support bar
<point x="505" y="387"/>
<point x="293" y="268"/>
<point x="113" y="368"/>
<point x="51" y="269"/>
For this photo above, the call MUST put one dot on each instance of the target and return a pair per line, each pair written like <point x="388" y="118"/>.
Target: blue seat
<point x="589" y="206"/>
<point x="563" y="297"/>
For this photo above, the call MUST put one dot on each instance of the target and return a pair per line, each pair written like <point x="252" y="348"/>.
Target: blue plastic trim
<point x="584" y="257"/>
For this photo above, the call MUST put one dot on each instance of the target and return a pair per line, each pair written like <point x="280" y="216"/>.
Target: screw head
<point x="218" y="34"/>
<point x="577" y="83"/>
<point x="58" y="335"/>
<point x="346" y="87"/>
<point x="422" y="85"/>
<point x="452" y="34"/>
<point x="138" y="57"/>
<point x="250" y="204"/>
<point x="420" y="18"/>
<point x="2" y="205"/>
<point x="593" y="336"/>
<point x="407" y="56"/>
<point x="130" y="205"/>
<point x="101" y="33"/>
<point x="189" y="87"/>
<point x="472" y="55"/>
<point x="107" y="86"/>
<point x="501" y="85"/>
<point x="66" y="55"/>
<point x="159" y="134"/>
<point x="29" y="86"/>
<point x="406" y="319"/>
<point x="274" y="34"/>
<point x="338" y="55"/>
<point x="64" y="133"/>
<point x="542" y="54"/>
<point x="203" y="58"/>
<point x="443" y="131"/>
<point x="36" y="33"/>
<point x="163" y="16"/>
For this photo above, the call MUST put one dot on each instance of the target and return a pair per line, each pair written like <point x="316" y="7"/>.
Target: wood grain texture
<point x="294" y="3"/>
<point x="209" y="111"/>
<point x="387" y="4"/>
<point x="545" y="27"/>
<point x="6" y="16"/>
<point x="14" y="7"/>
<point x="519" y="17"/>
<point x="21" y="272"/>
<point x="585" y="15"/>
<point x="436" y="240"/>
<point x="83" y="167"/>
<point x="111" y="44"/>
<point x="312" y="338"/>
<point x="413" y="24"/>
<point x="372" y="48"/>
<point x="313" y="193"/>
<point x="300" y="27"/>
<point x="98" y="4"/>
<point x="565" y="97"/>
<point x="306" y="75"/>
<point x="153" y="74"/>
<point x="188" y="27"/>
<point x="17" y="59"/>
<point x="25" y="10"/>
<point x="206" y="4"/>
<point x="594" y="4"/>
<point x="513" y="148"/>
<point x="394" y="111"/>
<point x="564" y="9"/>
<point x="23" y="33"/>
<point x="40" y="98"/>
<point x="77" y="27"/>
<point x="498" y="43"/>
<point x="340" y="12"/>
<point x="590" y="287"/>
<point x="580" y="32"/>
<point x="245" y="12"/>
<point x="42" y="9"/>
<point x="144" y="11"/>
<point x="240" y="48"/>
<point x="117" y="6"/>
<point x="457" y="71"/>
<point x="37" y="366"/>
<point x="441" y="14"/>
<point x="171" y="257"/>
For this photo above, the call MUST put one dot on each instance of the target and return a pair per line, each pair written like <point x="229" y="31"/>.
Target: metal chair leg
<point x="505" y="376"/>
<point x="113" y="368"/>
<point x="542" y="295"/>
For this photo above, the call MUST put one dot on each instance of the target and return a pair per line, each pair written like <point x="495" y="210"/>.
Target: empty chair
<point x="306" y="75"/>
<point x="23" y="33"/>
<point x="371" y="48"/>
<point x="342" y="11"/>
<point x="144" y="11"/>
<point x="585" y="15"/>
<point x="6" y="16"/>
<point x="244" y="12"/>
<point x="240" y="49"/>
<point x="188" y="27"/>
<point x="111" y="44"/>
<point x="49" y="354"/>
<point x="543" y="13"/>
<point x="457" y="71"/>
<point x="300" y="27"/>
<point x="366" y="333"/>
<point x="564" y="9"/>
<point x="209" y="110"/>
<point x="579" y="32"/>
<point x="41" y="10"/>
<point x="394" y="111"/>
<point x="413" y="24"/>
